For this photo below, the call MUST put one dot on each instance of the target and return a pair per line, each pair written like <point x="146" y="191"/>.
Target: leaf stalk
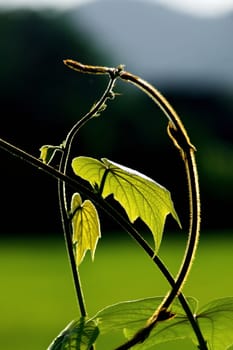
<point x="64" y="211"/>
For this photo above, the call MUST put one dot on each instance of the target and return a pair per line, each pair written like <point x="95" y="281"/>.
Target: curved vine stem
<point x="180" y="138"/>
<point x="67" y="228"/>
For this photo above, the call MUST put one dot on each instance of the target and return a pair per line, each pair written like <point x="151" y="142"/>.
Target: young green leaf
<point x="47" y="153"/>
<point x="216" y="322"/>
<point x="78" y="335"/>
<point x="138" y="194"/>
<point x="86" y="227"/>
<point x="130" y="316"/>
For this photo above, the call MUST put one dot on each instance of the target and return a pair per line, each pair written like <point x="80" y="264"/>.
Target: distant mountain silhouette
<point x="153" y="41"/>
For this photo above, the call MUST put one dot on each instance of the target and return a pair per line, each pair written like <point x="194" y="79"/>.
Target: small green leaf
<point x="216" y="322"/>
<point x="47" y="153"/>
<point x="78" y="335"/>
<point x="138" y="194"/>
<point x="86" y="227"/>
<point x="130" y="316"/>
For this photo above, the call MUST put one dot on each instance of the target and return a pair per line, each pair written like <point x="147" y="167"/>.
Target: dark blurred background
<point x="188" y="59"/>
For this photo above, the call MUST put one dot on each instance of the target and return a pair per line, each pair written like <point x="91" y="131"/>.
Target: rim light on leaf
<point x="86" y="227"/>
<point x="139" y="195"/>
<point x="79" y="335"/>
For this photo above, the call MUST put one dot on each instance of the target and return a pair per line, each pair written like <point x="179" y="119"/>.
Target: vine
<point x="80" y="224"/>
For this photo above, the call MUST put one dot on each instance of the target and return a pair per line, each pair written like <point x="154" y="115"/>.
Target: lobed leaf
<point x="78" y="335"/>
<point x="139" y="195"/>
<point x="86" y="227"/>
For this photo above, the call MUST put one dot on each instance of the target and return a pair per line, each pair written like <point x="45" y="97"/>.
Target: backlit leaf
<point x="86" y="227"/>
<point x="130" y="316"/>
<point x="138" y="194"/>
<point x="47" y="153"/>
<point x="78" y="335"/>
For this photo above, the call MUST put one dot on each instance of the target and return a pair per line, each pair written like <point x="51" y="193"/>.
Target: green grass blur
<point x="37" y="295"/>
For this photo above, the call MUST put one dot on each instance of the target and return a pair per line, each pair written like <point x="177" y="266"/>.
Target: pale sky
<point x="195" y="7"/>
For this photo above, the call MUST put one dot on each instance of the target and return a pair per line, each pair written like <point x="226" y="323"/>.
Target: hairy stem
<point x="181" y="140"/>
<point x="67" y="227"/>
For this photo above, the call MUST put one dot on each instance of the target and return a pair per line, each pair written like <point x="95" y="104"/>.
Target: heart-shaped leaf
<point x="86" y="226"/>
<point x="138" y="194"/>
<point x="78" y="335"/>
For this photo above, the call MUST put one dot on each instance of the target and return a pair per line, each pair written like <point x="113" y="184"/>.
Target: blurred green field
<point x="37" y="295"/>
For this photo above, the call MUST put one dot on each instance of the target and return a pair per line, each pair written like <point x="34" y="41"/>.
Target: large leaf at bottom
<point x="86" y="226"/>
<point x="138" y="194"/>
<point x="78" y="335"/>
<point x="130" y="316"/>
<point x="216" y="322"/>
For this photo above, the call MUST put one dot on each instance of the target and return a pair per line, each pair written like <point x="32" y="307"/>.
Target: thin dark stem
<point x="67" y="230"/>
<point x="67" y="227"/>
<point x="73" y="132"/>
<point x="125" y="224"/>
